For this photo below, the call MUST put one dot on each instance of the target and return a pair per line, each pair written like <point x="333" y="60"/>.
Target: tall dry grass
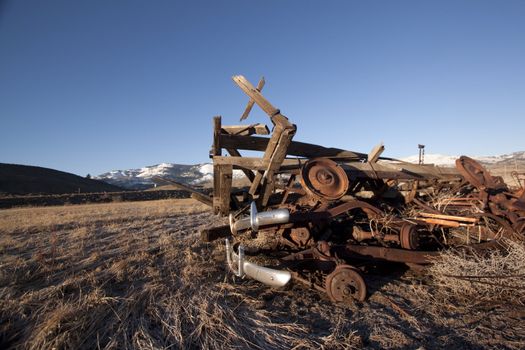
<point x="132" y="276"/>
<point x="482" y="277"/>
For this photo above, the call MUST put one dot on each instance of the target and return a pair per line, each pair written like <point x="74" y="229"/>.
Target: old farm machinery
<point x="323" y="214"/>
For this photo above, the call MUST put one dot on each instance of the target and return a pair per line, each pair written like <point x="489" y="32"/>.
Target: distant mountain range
<point x="202" y="173"/>
<point x="142" y="178"/>
<point x="510" y="159"/>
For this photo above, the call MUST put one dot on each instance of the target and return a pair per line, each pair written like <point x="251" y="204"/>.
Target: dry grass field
<point x="136" y="276"/>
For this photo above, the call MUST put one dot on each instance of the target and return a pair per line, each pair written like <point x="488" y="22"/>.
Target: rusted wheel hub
<point x="475" y="173"/>
<point x="345" y="284"/>
<point x="325" y="179"/>
<point x="408" y="237"/>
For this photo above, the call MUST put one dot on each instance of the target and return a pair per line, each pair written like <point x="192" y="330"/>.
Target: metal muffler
<point x="241" y="268"/>
<point x="271" y="217"/>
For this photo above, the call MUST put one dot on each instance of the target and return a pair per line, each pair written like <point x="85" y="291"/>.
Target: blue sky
<point x="91" y="86"/>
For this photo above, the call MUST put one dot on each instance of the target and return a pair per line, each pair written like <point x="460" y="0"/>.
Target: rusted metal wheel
<point x="475" y="173"/>
<point x="345" y="284"/>
<point x="325" y="179"/>
<point x="408" y="237"/>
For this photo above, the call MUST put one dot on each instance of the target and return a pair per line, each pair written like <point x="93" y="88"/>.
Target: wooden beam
<point x="424" y="169"/>
<point x="268" y="152"/>
<point x="274" y="165"/>
<point x="249" y="107"/>
<point x="255" y="95"/>
<point x="374" y="154"/>
<point x="353" y="169"/>
<point x="266" y="106"/>
<point x="300" y="149"/>
<point x="248" y="173"/>
<point x="222" y="184"/>
<point x="246" y="130"/>
<point x="201" y="197"/>
<point x="448" y="217"/>
<point x="216" y="147"/>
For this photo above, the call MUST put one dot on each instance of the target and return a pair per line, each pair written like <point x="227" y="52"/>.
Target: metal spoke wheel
<point x="345" y="284"/>
<point x="475" y="173"/>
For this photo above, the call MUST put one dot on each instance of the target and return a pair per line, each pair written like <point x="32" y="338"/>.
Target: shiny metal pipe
<point x="241" y="268"/>
<point x="271" y="217"/>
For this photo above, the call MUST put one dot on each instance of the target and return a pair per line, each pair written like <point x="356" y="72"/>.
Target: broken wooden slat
<point x="275" y="163"/>
<point x="448" y="217"/>
<point x="256" y="182"/>
<point x="266" y="106"/>
<point x="300" y="149"/>
<point x="442" y="222"/>
<point x="270" y="149"/>
<point x="255" y="95"/>
<point x="374" y="154"/>
<point x="246" y="130"/>
<point x="249" y="107"/>
<point x="201" y="197"/>
<point x="249" y="174"/>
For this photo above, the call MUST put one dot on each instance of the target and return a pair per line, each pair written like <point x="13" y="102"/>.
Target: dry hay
<point x="135" y="276"/>
<point x="110" y="281"/>
<point x="482" y="277"/>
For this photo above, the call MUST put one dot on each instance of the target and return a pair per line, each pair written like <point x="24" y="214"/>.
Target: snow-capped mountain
<point x="202" y="173"/>
<point x="142" y="178"/>
<point x="446" y="160"/>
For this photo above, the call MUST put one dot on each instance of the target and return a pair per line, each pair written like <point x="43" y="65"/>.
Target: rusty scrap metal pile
<point x="324" y="214"/>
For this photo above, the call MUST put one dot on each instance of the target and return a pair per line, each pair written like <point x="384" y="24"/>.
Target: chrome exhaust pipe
<point x="241" y="268"/>
<point x="271" y="217"/>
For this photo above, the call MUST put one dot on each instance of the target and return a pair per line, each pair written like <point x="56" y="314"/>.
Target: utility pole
<point x="421" y="153"/>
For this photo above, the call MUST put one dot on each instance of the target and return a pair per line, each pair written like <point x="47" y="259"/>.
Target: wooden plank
<point x="429" y="169"/>
<point x="201" y="197"/>
<point x="374" y="154"/>
<point x="300" y="149"/>
<point x="447" y="223"/>
<point x="246" y="130"/>
<point x="255" y="95"/>
<point x="216" y="147"/>
<point x="266" y="106"/>
<point x="275" y="163"/>
<point x="255" y="183"/>
<point x="353" y="169"/>
<point x="356" y="170"/>
<point x="448" y="217"/>
<point x="222" y="188"/>
<point x="243" y="162"/>
<point x="248" y="173"/>
<point x="216" y="187"/>
<point x="249" y="107"/>
<point x="270" y="149"/>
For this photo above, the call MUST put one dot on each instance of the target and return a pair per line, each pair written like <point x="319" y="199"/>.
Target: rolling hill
<point x="18" y="179"/>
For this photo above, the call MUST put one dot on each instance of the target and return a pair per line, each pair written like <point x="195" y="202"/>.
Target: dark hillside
<point x="25" y="179"/>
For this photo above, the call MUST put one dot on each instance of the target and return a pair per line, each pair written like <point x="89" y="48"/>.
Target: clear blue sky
<point x="91" y="86"/>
